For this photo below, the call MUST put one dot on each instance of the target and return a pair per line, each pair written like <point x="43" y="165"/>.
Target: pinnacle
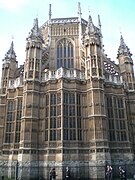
<point x="123" y="48"/>
<point x="11" y="53"/>
<point x="35" y="31"/>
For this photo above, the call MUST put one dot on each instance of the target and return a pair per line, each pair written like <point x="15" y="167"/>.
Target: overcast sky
<point x="16" y="18"/>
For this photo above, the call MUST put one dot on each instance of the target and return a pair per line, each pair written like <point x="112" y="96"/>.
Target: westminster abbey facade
<point x="68" y="105"/>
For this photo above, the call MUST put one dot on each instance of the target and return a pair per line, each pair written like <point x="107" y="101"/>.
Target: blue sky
<point x="16" y="18"/>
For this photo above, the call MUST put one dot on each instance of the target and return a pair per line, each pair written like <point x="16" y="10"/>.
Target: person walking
<point x="67" y="173"/>
<point x="122" y="173"/>
<point x="53" y="174"/>
<point x="50" y="174"/>
<point x="109" y="170"/>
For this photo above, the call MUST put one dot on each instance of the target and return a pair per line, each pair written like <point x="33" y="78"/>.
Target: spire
<point x="79" y="11"/>
<point x="123" y="48"/>
<point x="35" y="31"/>
<point x="122" y="43"/>
<point x="90" y="26"/>
<point x="11" y="53"/>
<point x="80" y="22"/>
<point x="99" y="22"/>
<point x="50" y="12"/>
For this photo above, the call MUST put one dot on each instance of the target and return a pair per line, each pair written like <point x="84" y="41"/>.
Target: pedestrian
<point x="122" y="173"/>
<point x="2" y="177"/>
<point x="67" y="173"/>
<point x="53" y="174"/>
<point x="109" y="170"/>
<point x="50" y="174"/>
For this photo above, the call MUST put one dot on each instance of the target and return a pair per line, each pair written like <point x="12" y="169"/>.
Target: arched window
<point x="65" y="54"/>
<point x="59" y="55"/>
<point x="70" y="56"/>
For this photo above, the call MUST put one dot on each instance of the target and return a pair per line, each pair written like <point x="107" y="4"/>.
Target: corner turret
<point x="126" y="65"/>
<point x="31" y="95"/>
<point x="92" y="34"/>
<point x="123" y="49"/>
<point x="33" y="53"/>
<point x="9" y="67"/>
<point x="11" y="53"/>
<point x="92" y="41"/>
<point x="35" y="33"/>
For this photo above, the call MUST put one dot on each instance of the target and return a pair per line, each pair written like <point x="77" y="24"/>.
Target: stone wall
<point x="79" y="170"/>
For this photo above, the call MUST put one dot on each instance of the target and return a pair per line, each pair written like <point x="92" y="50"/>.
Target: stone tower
<point x="126" y="65"/>
<point x="127" y="73"/>
<point x="10" y="65"/>
<point x="28" y="150"/>
<point x="97" y="121"/>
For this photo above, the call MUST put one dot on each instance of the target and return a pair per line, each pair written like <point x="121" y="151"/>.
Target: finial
<point x="122" y="43"/>
<point x="37" y="13"/>
<point x="120" y="30"/>
<point x="99" y="22"/>
<point x="35" y="24"/>
<point x="12" y="37"/>
<point x="89" y="10"/>
<point x="90" y="26"/>
<point x="79" y="9"/>
<point x="120" y="33"/>
<point x="50" y="12"/>
<point x="12" y="47"/>
<point x="89" y="19"/>
<point x="12" y="44"/>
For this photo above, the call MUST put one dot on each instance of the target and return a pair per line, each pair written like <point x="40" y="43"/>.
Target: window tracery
<point x="65" y="54"/>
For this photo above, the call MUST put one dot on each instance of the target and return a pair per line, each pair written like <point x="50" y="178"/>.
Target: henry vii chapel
<point x="68" y="105"/>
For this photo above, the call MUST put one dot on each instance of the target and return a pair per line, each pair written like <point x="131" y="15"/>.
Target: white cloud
<point x="11" y="4"/>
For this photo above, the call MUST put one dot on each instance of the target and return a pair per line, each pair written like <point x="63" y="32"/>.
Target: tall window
<point x="116" y="118"/>
<point x="53" y="116"/>
<point x="59" y="55"/>
<point x="65" y="54"/>
<point x="72" y="116"/>
<point x="10" y="121"/>
<point x="18" y="120"/>
<point x="111" y="118"/>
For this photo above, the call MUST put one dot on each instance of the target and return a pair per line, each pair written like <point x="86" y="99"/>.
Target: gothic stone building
<point x="68" y="104"/>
